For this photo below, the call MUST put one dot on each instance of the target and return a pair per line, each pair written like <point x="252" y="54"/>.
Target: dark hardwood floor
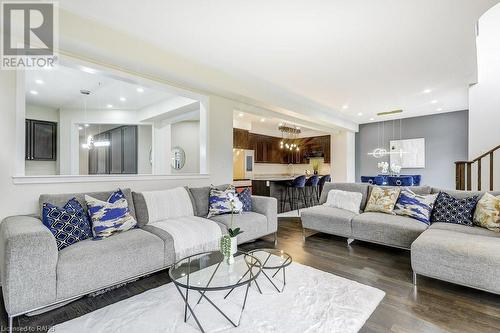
<point x="434" y="306"/>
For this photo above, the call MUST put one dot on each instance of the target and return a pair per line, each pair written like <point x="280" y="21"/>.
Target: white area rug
<point x="313" y="301"/>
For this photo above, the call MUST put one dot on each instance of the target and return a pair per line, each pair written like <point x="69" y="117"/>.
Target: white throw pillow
<point x="350" y="201"/>
<point x="168" y="204"/>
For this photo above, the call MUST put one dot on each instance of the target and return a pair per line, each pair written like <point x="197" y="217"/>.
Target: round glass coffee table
<point x="209" y="272"/>
<point x="270" y="260"/>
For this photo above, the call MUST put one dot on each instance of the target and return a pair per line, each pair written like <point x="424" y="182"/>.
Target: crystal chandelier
<point x="289" y="136"/>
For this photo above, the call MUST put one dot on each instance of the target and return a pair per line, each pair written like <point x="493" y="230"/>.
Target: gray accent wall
<point x="446" y="141"/>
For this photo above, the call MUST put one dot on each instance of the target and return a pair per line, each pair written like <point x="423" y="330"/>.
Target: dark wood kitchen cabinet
<point x="241" y="139"/>
<point x="267" y="148"/>
<point x="40" y="140"/>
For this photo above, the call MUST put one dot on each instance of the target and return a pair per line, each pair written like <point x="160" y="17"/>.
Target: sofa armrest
<point x="269" y="207"/>
<point x="28" y="261"/>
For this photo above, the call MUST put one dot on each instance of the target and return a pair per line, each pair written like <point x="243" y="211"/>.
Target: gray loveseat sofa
<point x="455" y="253"/>
<point x="35" y="276"/>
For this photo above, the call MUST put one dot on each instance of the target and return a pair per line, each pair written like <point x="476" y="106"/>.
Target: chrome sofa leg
<point x="303" y="235"/>
<point x="11" y="320"/>
<point x="414" y="278"/>
<point x="349" y="241"/>
<point x="275" y="239"/>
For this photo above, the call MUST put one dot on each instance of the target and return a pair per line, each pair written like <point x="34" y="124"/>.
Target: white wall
<point x="186" y="135"/>
<point x="144" y="146"/>
<point x="34" y="168"/>
<point x="484" y="97"/>
<point x="343" y="156"/>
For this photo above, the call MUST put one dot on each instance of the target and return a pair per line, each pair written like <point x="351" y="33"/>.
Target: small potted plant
<point x="229" y="242"/>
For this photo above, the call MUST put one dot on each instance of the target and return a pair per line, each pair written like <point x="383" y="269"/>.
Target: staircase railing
<point x="463" y="171"/>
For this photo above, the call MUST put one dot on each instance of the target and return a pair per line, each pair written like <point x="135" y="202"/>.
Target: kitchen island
<point x="273" y="186"/>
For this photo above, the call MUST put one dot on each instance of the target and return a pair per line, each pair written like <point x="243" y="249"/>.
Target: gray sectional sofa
<point x="35" y="276"/>
<point x="468" y="256"/>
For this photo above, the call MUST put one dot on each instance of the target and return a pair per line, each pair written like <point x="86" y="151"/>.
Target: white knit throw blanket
<point x="191" y="235"/>
<point x="168" y="204"/>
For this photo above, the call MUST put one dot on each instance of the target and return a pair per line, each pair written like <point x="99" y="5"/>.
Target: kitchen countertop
<point x="276" y="178"/>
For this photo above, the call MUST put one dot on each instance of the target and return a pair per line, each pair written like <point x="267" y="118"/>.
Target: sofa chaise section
<point x="469" y="256"/>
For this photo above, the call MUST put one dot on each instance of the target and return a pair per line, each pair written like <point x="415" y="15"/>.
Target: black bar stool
<point x="293" y="192"/>
<point x="312" y="192"/>
<point x="321" y="184"/>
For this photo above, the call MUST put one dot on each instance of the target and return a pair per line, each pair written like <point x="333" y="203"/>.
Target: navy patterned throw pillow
<point x="69" y="224"/>
<point x="245" y="197"/>
<point x="111" y="216"/>
<point x="449" y="209"/>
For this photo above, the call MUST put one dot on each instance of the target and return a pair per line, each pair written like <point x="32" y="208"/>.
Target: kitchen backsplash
<point x="284" y="169"/>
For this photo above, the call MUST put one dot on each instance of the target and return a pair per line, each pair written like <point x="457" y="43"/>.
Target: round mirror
<point x="178" y="158"/>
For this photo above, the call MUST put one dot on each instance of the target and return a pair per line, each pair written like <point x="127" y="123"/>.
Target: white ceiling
<point x="60" y="87"/>
<point x="369" y="56"/>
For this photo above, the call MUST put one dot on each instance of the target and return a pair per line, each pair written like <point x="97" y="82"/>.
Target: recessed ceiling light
<point x="109" y="106"/>
<point x="434" y="102"/>
<point x="140" y="89"/>
<point x="39" y="81"/>
<point x="33" y="92"/>
<point x="80" y="128"/>
<point x="280" y="124"/>
<point x="372" y="119"/>
<point x="360" y="114"/>
<point x="439" y="109"/>
<point x="123" y="99"/>
<point x="345" y="107"/>
<point x="427" y="91"/>
<point x="86" y="125"/>
<point x="240" y="114"/>
<point x="262" y="120"/>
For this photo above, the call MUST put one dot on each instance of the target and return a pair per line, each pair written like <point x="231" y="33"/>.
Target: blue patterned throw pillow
<point x="453" y="210"/>
<point x="245" y="197"/>
<point x="110" y="217"/>
<point x="415" y="206"/>
<point x="68" y="224"/>
<point x="223" y="202"/>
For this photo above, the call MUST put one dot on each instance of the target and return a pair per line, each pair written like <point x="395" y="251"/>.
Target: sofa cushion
<point x="253" y="225"/>
<point x="61" y="199"/>
<point x="68" y="224"/>
<point x="453" y="210"/>
<point x="387" y="229"/>
<point x="93" y="264"/>
<point x="463" y="194"/>
<point x="224" y="202"/>
<point x="415" y="206"/>
<point x="200" y="196"/>
<point x="420" y="190"/>
<point x="382" y="200"/>
<point x="141" y="207"/>
<point x="329" y="220"/>
<point x="350" y="201"/>
<point x="111" y="216"/>
<point x="467" y="259"/>
<point x="487" y="214"/>
<point x="245" y="197"/>
<point x="349" y="187"/>
<point x="475" y="230"/>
